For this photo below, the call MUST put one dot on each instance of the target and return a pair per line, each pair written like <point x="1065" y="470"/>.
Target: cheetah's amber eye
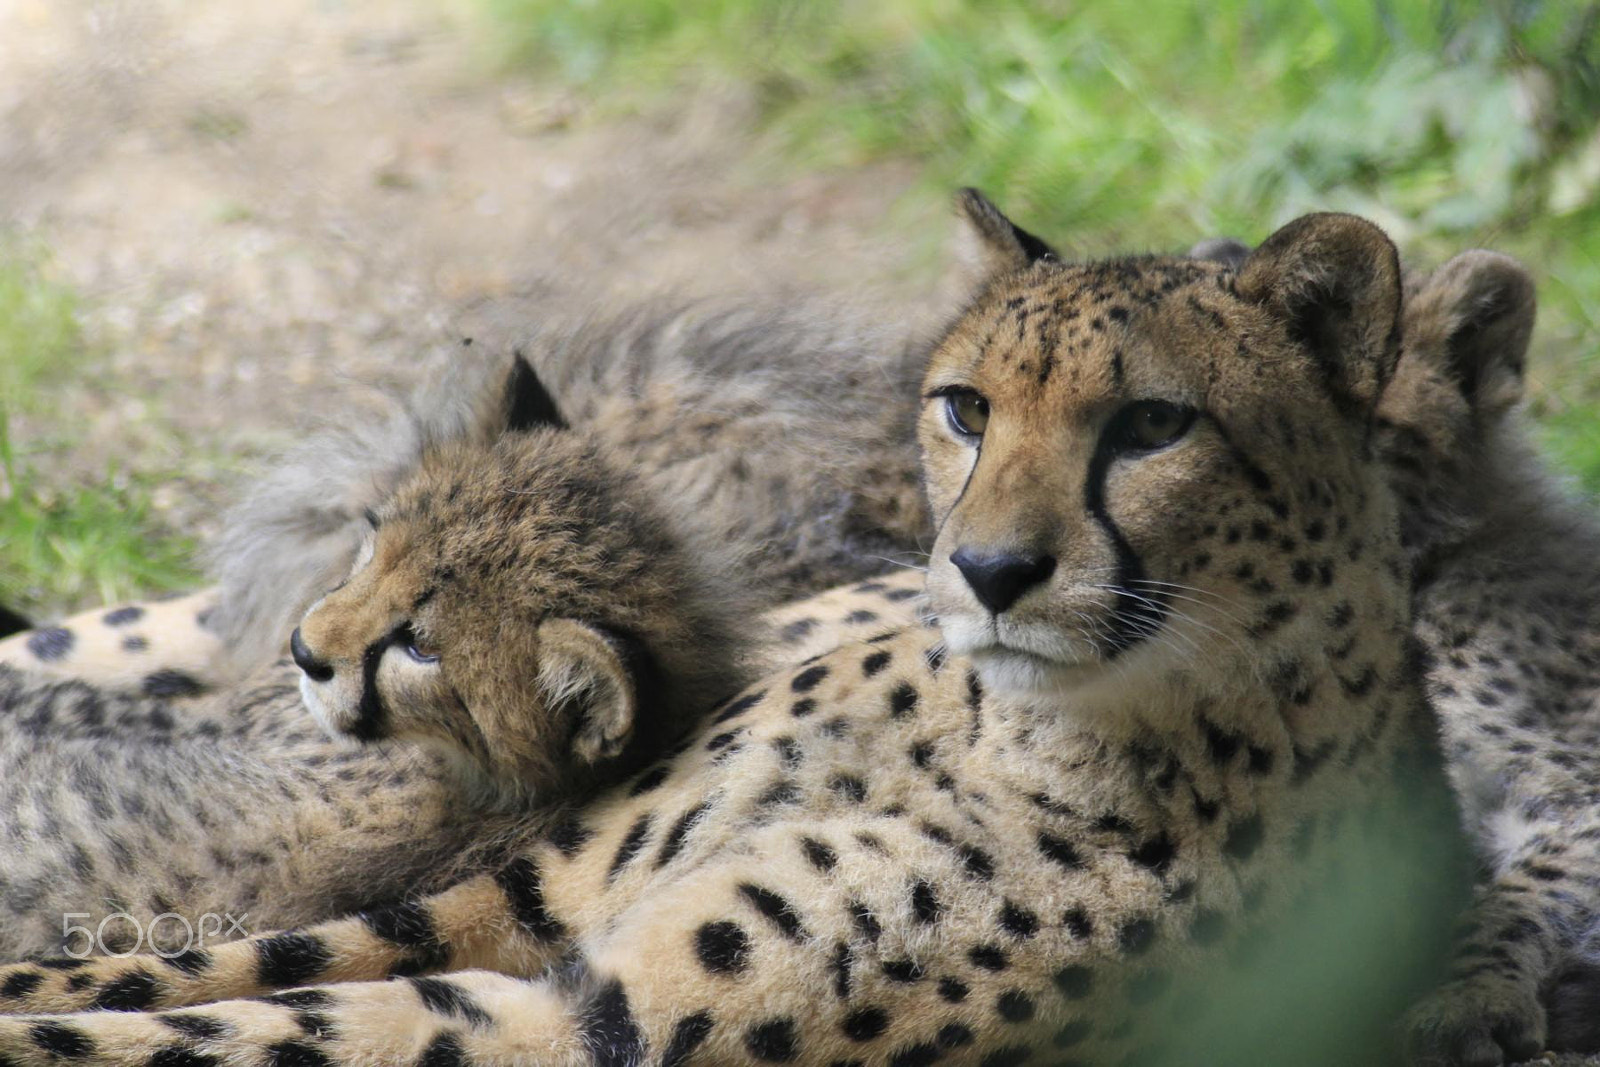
<point x="1151" y="424"/>
<point x="968" y="412"/>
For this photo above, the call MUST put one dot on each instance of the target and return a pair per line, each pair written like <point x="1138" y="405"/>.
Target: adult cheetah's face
<point x="1132" y="461"/>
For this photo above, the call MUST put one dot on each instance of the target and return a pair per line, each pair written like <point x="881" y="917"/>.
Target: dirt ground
<point x="268" y="205"/>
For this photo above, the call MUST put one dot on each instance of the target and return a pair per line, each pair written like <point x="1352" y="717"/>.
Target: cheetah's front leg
<point x="493" y="922"/>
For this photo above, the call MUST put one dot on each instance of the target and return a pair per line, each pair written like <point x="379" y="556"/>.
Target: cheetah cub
<point x="1161" y="778"/>
<point x="532" y="607"/>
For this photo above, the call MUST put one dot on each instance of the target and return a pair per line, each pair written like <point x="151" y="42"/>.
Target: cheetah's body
<point x="878" y="857"/>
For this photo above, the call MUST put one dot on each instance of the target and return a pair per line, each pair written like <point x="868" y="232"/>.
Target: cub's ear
<point x="592" y="675"/>
<point x="529" y="404"/>
<point x="993" y="244"/>
<point x="1229" y="252"/>
<point x="1472" y="319"/>
<point x="1335" y="281"/>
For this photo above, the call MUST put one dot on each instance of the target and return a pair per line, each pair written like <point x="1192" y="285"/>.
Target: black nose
<point x="315" y="669"/>
<point x="999" y="578"/>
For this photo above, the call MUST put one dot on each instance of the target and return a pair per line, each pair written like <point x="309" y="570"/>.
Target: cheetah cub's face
<point x="521" y="604"/>
<point x="1130" y="460"/>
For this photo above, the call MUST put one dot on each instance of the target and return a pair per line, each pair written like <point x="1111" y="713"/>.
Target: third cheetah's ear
<point x="1473" y="318"/>
<point x="529" y="404"/>
<point x="1228" y="251"/>
<point x="593" y="675"/>
<point x="995" y="242"/>
<point x="1335" y="281"/>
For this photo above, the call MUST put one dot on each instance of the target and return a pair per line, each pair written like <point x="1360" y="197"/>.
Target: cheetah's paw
<point x="1483" y="1021"/>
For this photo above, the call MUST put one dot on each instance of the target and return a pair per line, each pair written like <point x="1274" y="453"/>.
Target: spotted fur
<point x="955" y="853"/>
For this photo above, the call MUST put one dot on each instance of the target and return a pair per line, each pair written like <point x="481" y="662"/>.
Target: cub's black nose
<point x="315" y="669"/>
<point x="1000" y="578"/>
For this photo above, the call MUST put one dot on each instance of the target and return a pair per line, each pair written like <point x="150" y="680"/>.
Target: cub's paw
<point x="1484" y="1021"/>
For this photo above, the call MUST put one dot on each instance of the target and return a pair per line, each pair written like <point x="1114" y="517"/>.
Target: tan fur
<point x="877" y="857"/>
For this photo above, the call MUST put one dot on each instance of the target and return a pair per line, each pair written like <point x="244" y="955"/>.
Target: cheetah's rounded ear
<point x="1473" y="318"/>
<point x="992" y="242"/>
<point x="1335" y="281"/>
<point x="594" y="675"/>
<point x="529" y="404"/>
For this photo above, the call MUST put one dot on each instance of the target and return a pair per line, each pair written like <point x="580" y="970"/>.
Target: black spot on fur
<point x="133" y="991"/>
<point x="688" y="1035"/>
<point x="1136" y="936"/>
<point x="178" y="1056"/>
<point x="445" y="1050"/>
<point x="820" y="856"/>
<point x="410" y="925"/>
<point x="290" y="959"/>
<point x="775" y="908"/>
<point x="673" y="842"/>
<point x="865" y="922"/>
<point x="864" y="1024"/>
<point x="915" y="1056"/>
<point x="1072" y="1034"/>
<point x="1156" y="854"/>
<point x="631" y="844"/>
<point x="723" y="947"/>
<point x="903" y="971"/>
<point x="198" y="1027"/>
<point x="523" y="884"/>
<point x="445" y="998"/>
<point x="21" y="984"/>
<point x="59" y="1039"/>
<point x="953" y="1035"/>
<point x="925" y="906"/>
<point x="1078" y="922"/>
<point x="989" y="957"/>
<point x="849" y="787"/>
<point x="609" y="1029"/>
<point x="739" y="707"/>
<point x="170" y="683"/>
<point x="1014" y="1006"/>
<point x="774" y="1041"/>
<point x="809" y="679"/>
<point x="875" y="663"/>
<point x="650" y="780"/>
<point x="1060" y="851"/>
<point x="842" y="960"/>
<point x="953" y="990"/>
<point x="51" y="643"/>
<point x="1018" y="921"/>
<point x="296" y="1054"/>
<point x="123" y="616"/>
<point x="569" y="835"/>
<point x="902" y="700"/>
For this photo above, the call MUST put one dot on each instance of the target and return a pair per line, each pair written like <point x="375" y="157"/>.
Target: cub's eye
<point x="968" y="412"/>
<point x="416" y="647"/>
<point x="1151" y="424"/>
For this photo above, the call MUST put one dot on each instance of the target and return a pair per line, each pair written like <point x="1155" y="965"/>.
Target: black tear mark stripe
<point x="1133" y="618"/>
<point x="372" y="715"/>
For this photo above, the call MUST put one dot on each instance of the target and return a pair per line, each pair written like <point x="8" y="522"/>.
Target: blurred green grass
<point x="95" y="540"/>
<point x="1126" y="126"/>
